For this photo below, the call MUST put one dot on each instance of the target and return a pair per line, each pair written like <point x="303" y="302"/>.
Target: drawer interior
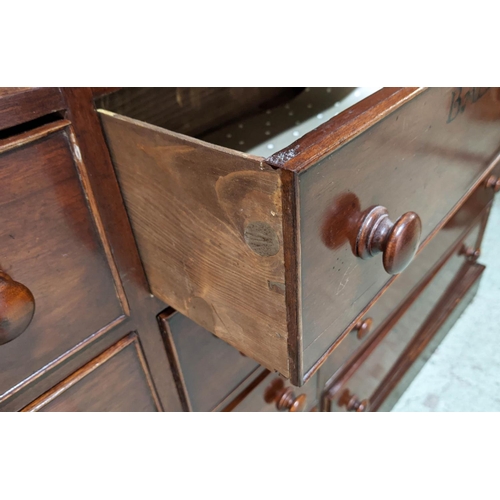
<point x="259" y="121"/>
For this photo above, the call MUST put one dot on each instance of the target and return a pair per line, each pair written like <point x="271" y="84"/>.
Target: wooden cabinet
<point x="320" y="275"/>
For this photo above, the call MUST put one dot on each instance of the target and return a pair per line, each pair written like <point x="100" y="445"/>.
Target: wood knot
<point x="262" y="239"/>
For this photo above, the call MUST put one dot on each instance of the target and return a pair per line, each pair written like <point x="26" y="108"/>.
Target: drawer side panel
<point x="208" y="224"/>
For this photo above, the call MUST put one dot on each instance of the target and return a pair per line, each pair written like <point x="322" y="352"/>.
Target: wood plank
<point x="22" y="104"/>
<point x="208" y="223"/>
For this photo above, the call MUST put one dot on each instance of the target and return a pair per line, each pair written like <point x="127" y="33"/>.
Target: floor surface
<point x="463" y="374"/>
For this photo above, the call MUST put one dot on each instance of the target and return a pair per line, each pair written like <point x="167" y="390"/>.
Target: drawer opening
<point x="257" y="121"/>
<point x="232" y="235"/>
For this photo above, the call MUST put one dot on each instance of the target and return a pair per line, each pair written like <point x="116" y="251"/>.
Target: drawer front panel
<point x="207" y="369"/>
<point x="267" y="391"/>
<point x="423" y="157"/>
<point x="51" y="245"/>
<point x="473" y="214"/>
<point x="364" y="376"/>
<point x="116" y="381"/>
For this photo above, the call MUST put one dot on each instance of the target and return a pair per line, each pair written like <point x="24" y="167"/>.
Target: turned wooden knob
<point x="352" y="402"/>
<point x="363" y="327"/>
<point x="470" y="253"/>
<point x="284" y="397"/>
<point x="398" y="241"/>
<point x="17" y="307"/>
<point x="493" y="182"/>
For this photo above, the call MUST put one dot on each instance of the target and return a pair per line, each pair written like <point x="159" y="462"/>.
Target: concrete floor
<point x="463" y="374"/>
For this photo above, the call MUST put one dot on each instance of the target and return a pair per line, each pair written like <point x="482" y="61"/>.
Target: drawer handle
<point x="284" y="397"/>
<point x="398" y="241"/>
<point x="493" y="182"/>
<point x="17" y="307"/>
<point x="353" y="403"/>
<point x="363" y="326"/>
<point x="471" y="253"/>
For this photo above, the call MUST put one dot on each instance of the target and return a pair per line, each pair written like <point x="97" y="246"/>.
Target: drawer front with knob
<point x="271" y="393"/>
<point x="354" y="386"/>
<point x="470" y="220"/>
<point x="281" y="257"/>
<point x="57" y="287"/>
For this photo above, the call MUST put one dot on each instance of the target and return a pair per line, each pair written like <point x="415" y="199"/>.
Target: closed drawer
<point x="271" y="393"/>
<point x="207" y="370"/>
<point x="117" y="380"/>
<point x="272" y="255"/>
<point x="52" y="255"/>
<point x="364" y="377"/>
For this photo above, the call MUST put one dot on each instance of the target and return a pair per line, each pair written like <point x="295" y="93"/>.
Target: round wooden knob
<point x="398" y="241"/>
<point x="17" y="307"/>
<point x="470" y="253"/>
<point x="363" y="327"/>
<point x="284" y="397"/>
<point x="493" y="182"/>
<point x="353" y="403"/>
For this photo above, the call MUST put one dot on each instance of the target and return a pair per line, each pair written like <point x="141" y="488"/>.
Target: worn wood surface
<point x="208" y="369"/>
<point x="365" y="375"/>
<point x="116" y="381"/>
<point x="419" y="158"/>
<point x="193" y="110"/>
<point x="23" y="104"/>
<point x="319" y="143"/>
<point x="208" y="224"/>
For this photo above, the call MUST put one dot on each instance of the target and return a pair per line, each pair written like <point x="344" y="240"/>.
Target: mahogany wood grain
<point x="366" y="373"/>
<point x="470" y="219"/>
<point x="208" y="225"/>
<point x="116" y="381"/>
<point x="114" y="244"/>
<point x="422" y="157"/>
<point x="23" y="104"/>
<point x="208" y="370"/>
<point x="50" y="244"/>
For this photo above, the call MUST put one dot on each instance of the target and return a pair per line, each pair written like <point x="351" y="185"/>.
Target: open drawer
<point x="281" y="256"/>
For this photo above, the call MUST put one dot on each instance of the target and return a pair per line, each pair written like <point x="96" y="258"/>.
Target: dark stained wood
<point x="327" y="214"/>
<point x="346" y="126"/>
<point x="194" y="110"/>
<point x="23" y="104"/>
<point x="471" y="219"/>
<point x="284" y="397"/>
<point x="366" y="373"/>
<point x="447" y="311"/>
<point x="207" y="369"/>
<point x="51" y="245"/>
<point x="17" y="306"/>
<point x="116" y="381"/>
<point x="101" y="180"/>
<point x="414" y="159"/>
<point x="397" y="241"/>
<point x="363" y="327"/>
<point x="189" y="204"/>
